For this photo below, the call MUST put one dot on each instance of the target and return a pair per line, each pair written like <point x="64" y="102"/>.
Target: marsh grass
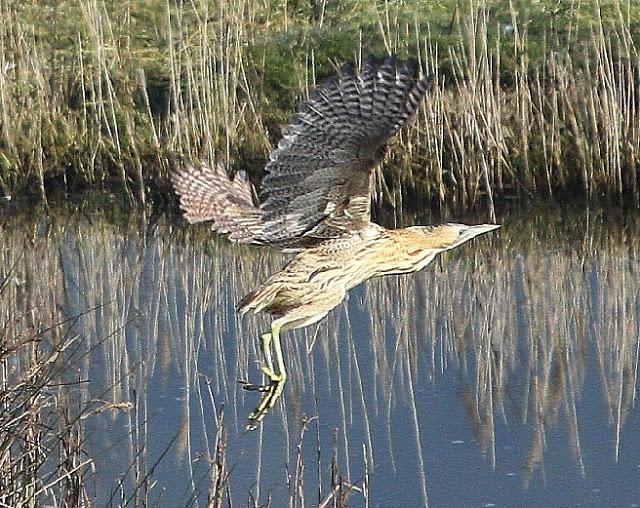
<point x="526" y="99"/>
<point x="42" y="455"/>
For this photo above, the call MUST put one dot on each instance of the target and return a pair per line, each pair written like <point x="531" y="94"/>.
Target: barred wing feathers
<point x="318" y="180"/>
<point x="208" y="194"/>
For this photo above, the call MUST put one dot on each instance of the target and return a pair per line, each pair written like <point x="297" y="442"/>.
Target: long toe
<point x="267" y="402"/>
<point x="255" y="388"/>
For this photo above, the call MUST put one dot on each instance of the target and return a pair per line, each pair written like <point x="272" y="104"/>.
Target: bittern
<point x="315" y="200"/>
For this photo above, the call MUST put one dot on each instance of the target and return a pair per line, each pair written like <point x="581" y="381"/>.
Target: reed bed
<point x="521" y="323"/>
<point x="42" y="450"/>
<point x="527" y="100"/>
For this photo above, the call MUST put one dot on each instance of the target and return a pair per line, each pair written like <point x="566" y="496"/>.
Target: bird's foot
<point x="270" y="394"/>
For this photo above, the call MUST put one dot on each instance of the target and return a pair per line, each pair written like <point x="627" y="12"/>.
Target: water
<point x="504" y="373"/>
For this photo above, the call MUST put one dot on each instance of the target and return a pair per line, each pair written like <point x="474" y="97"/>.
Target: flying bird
<point x="315" y="200"/>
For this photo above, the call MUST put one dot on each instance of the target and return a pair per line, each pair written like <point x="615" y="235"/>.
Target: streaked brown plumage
<point x="315" y="200"/>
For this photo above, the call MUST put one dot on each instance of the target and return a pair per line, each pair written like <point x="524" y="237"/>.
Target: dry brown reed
<point x="42" y="455"/>
<point x="110" y="94"/>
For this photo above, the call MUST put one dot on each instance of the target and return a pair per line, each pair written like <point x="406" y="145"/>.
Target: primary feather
<point x="323" y="165"/>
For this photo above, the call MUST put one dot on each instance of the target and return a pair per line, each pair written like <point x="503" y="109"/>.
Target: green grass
<point x="530" y="99"/>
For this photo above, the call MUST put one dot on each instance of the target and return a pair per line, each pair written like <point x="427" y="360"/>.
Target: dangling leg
<point x="273" y="390"/>
<point x="267" y="366"/>
<point x="265" y="346"/>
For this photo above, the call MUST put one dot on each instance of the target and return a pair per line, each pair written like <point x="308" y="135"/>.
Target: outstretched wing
<point x="319" y="179"/>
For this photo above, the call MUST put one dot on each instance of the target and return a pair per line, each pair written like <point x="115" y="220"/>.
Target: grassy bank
<point x="528" y="99"/>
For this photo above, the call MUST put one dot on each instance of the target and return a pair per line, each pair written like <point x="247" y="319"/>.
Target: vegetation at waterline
<point x="529" y="98"/>
<point x="41" y="438"/>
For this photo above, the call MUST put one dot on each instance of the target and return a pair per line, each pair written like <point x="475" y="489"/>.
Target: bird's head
<point x="447" y="236"/>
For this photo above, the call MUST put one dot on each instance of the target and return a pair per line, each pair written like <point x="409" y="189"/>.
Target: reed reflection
<point x="524" y="331"/>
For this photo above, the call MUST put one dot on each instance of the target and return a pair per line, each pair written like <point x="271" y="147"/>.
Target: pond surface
<point x="503" y="374"/>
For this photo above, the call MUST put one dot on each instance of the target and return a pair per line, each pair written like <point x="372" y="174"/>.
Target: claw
<point x="270" y="394"/>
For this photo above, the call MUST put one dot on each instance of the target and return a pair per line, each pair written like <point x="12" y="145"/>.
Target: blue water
<point x="502" y="375"/>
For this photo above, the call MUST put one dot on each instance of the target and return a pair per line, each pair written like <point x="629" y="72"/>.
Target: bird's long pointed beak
<point x="483" y="228"/>
<point x="473" y="231"/>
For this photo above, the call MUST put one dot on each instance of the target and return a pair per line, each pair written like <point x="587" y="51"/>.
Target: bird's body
<point x="318" y="279"/>
<point x="315" y="200"/>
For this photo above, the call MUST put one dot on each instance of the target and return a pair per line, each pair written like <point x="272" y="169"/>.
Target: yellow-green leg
<point x="272" y="391"/>
<point x="265" y="343"/>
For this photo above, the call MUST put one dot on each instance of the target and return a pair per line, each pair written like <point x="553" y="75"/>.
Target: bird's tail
<point x="271" y="298"/>
<point x="208" y="194"/>
<point x="257" y="299"/>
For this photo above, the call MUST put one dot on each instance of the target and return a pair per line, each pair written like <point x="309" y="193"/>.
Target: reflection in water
<point x="508" y="370"/>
